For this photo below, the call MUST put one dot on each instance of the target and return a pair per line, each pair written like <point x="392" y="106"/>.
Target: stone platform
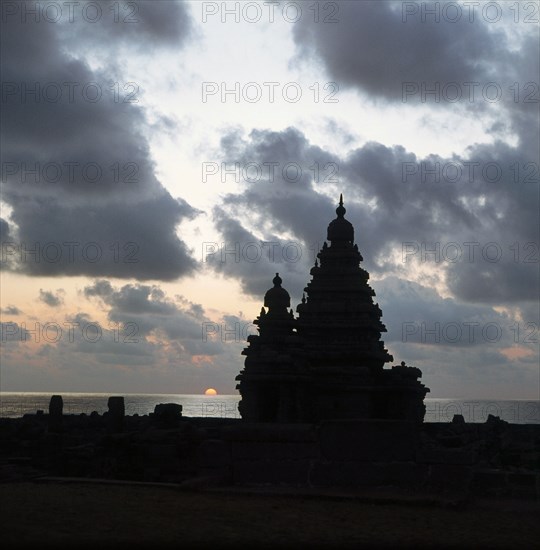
<point x="454" y="460"/>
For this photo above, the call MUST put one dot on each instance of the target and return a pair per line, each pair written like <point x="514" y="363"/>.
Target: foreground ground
<point x="80" y="514"/>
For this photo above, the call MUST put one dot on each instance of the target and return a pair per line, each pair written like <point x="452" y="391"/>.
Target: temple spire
<point x="340" y="230"/>
<point x="340" y="210"/>
<point x="277" y="299"/>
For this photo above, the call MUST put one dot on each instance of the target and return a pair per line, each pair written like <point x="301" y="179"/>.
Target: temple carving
<point x="328" y="362"/>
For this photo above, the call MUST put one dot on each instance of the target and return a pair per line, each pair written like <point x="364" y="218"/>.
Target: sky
<point x="162" y="160"/>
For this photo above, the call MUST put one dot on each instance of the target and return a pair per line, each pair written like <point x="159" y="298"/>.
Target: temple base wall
<point x="455" y="459"/>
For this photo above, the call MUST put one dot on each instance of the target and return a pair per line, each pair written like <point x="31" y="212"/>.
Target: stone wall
<point x="453" y="459"/>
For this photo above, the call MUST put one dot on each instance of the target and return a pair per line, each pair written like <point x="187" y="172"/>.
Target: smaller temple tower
<point x="273" y="381"/>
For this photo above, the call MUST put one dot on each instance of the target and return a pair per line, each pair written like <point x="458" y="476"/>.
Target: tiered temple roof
<point x="329" y="362"/>
<point x="338" y="320"/>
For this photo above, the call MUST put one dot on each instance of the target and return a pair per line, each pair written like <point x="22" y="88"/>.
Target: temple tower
<point x="338" y="320"/>
<point x="341" y="328"/>
<point x="273" y="381"/>
<point x="329" y="363"/>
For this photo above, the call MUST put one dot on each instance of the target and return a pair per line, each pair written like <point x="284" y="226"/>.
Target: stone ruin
<point x="319" y="411"/>
<point x="327" y="363"/>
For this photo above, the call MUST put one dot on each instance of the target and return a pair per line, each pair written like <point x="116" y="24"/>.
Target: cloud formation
<point x="50" y="298"/>
<point x="480" y="246"/>
<point x="77" y="172"/>
<point x="378" y="46"/>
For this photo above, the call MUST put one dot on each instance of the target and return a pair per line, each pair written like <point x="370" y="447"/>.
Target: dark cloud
<point x="148" y="310"/>
<point x="4" y="229"/>
<point x="393" y="208"/>
<point x="138" y="25"/>
<point x="101" y="289"/>
<point x="418" y="314"/>
<point x="254" y="261"/>
<point x="6" y="260"/>
<point x="398" y="220"/>
<point x="50" y="298"/>
<point x="11" y="310"/>
<point x="452" y="340"/>
<point x="111" y="344"/>
<point x="95" y="180"/>
<point x="376" y="48"/>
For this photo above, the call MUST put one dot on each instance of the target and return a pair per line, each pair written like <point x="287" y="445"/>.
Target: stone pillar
<point x="117" y="411"/>
<point x="56" y="407"/>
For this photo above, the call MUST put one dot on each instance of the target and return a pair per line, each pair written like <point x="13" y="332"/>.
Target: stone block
<point x="446" y="456"/>
<point x="167" y="414"/>
<point x="162" y="452"/>
<point x="274" y="450"/>
<point x="453" y="479"/>
<point x="116" y="413"/>
<point x="368" y="440"/>
<point x="56" y="405"/>
<point x="354" y="474"/>
<point x="273" y="472"/>
<point x="55" y="419"/>
<point x="269" y="432"/>
<point x="116" y="406"/>
<point x="214" y="453"/>
<point x="522" y="485"/>
<point x="490" y="482"/>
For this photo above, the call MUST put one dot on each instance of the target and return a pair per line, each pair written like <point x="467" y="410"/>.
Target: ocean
<point x="16" y="404"/>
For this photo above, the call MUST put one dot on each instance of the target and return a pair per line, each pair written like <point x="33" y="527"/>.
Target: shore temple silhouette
<point x="320" y="412"/>
<point x="327" y="363"/>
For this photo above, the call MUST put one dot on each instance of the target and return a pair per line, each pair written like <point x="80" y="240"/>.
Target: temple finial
<point x="277" y="280"/>
<point x="340" y="210"/>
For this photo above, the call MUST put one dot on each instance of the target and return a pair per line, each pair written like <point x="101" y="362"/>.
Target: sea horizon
<point x="15" y="404"/>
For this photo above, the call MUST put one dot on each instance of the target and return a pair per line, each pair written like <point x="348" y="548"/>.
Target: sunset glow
<point x="231" y="129"/>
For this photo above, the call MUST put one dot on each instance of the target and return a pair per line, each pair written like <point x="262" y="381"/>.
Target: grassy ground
<point x="74" y="515"/>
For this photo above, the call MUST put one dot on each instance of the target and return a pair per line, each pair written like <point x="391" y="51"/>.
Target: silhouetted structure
<point x="328" y="363"/>
<point x="56" y="408"/>
<point x="275" y="384"/>
<point x="116" y="413"/>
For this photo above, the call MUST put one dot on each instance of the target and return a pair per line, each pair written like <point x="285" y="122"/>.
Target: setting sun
<point x="210" y="391"/>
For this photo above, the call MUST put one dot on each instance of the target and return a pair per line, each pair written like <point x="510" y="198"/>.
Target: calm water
<point x="17" y="404"/>
<point x="226" y="406"/>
